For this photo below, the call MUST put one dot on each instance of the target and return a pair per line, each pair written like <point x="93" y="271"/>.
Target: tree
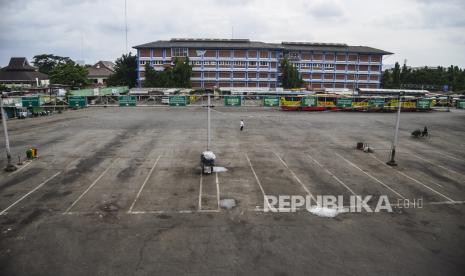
<point x="3" y="87"/>
<point x="125" y="71"/>
<point x="151" y="76"/>
<point x="426" y="77"/>
<point x="69" y="73"/>
<point x="386" y="80"/>
<point x="46" y="62"/>
<point x="177" y="76"/>
<point x="182" y="73"/>
<point x="396" y="76"/>
<point x="290" y="75"/>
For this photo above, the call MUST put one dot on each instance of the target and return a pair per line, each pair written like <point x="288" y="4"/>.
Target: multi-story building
<point x="245" y="63"/>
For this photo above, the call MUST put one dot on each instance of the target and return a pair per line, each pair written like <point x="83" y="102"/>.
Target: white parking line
<point x="217" y="193"/>
<point x="330" y="173"/>
<point x="258" y="180"/>
<point x="296" y="178"/>
<point x="372" y="177"/>
<point x="212" y="109"/>
<point x="163" y="212"/>
<point x="450" y="156"/>
<point x="90" y="187"/>
<point x="143" y="184"/>
<point x="27" y="194"/>
<point x="217" y="190"/>
<point x="414" y="180"/>
<point x="435" y="164"/>
<point x="447" y="202"/>
<point x="200" y="191"/>
<point x="18" y="170"/>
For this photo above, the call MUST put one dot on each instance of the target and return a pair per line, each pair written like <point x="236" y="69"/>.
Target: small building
<point x="100" y="72"/>
<point x="19" y="73"/>
<point x="390" y="92"/>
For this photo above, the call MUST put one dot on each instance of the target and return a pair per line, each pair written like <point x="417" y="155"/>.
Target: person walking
<point x="242" y="124"/>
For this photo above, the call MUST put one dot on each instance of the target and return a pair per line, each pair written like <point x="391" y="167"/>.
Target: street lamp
<point x="9" y="166"/>
<point x="392" y="161"/>
<point x="208" y="122"/>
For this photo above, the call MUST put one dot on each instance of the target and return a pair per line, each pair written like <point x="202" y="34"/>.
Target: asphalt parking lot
<point x="118" y="191"/>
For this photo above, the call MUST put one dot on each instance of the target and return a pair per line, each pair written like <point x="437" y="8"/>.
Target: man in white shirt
<point x="242" y="124"/>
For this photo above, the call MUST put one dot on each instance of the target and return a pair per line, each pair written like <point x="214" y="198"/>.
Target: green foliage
<point x="177" y="76"/>
<point x="47" y="62"/>
<point x="3" y="88"/>
<point x="125" y="72"/>
<point x="69" y="73"/>
<point x="290" y="75"/>
<point x="453" y="76"/>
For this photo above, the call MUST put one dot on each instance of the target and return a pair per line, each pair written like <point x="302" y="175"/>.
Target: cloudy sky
<point x="425" y="32"/>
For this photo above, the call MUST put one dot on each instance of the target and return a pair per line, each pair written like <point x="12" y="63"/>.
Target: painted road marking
<point x="200" y="190"/>
<point x="450" y="156"/>
<point x="24" y="166"/>
<point x="414" y="180"/>
<point x="30" y="192"/>
<point x="437" y="165"/>
<point x="372" y="177"/>
<point x="258" y="181"/>
<point x="295" y="177"/>
<point x="90" y="187"/>
<point x="331" y="174"/>
<point x="143" y="184"/>
<point x="217" y="190"/>
<point x="217" y="193"/>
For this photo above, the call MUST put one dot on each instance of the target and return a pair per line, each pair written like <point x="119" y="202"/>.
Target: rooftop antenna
<point x="82" y="46"/>
<point x="126" y="24"/>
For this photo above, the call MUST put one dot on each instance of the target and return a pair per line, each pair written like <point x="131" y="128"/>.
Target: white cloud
<point x="425" y="32"/>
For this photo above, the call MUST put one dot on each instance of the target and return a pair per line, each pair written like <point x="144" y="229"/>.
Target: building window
<point x="157" y="62"/>
<point x="209" y="63"/>
<point x="239" y="63"/>
<point x="180" y="52"/>
<point x="293" y="55"/>
<point x="329" y="66"/>
<point x="317" y="66"/>
<point x="142" y="62"/>
<point x="263" y="63"/>
<point x="252" y="63"/>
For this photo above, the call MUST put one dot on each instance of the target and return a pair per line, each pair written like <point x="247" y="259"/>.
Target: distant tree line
<point x="452" y="76"/>
<point x="178" y="75"/>
<point x="125" y="72"/>
<point x="61" y="70"/>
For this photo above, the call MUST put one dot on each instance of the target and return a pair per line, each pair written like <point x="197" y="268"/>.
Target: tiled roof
<point x="21" y="76"/>
<point x="209" y="44"/>
<point x="247" y="44"/>
<point x="19" y="70"/>
<point x="19" y="64"/>
<point x="101" y="69"/>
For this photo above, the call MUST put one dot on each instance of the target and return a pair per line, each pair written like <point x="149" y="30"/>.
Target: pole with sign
<point x="392" y="161"/>
<point x="9" y="166"/>
<point x="208" y="123"/>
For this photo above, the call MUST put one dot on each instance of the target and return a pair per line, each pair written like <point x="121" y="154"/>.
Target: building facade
<point x="99" y="73"/>
<point x="19" y="73"/>
<point x="245" y="63"/>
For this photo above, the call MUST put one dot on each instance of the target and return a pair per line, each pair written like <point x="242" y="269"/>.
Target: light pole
<point x="392" y="161"/>
<point x="9" y="166"/>
<point x="208" y="123"/>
